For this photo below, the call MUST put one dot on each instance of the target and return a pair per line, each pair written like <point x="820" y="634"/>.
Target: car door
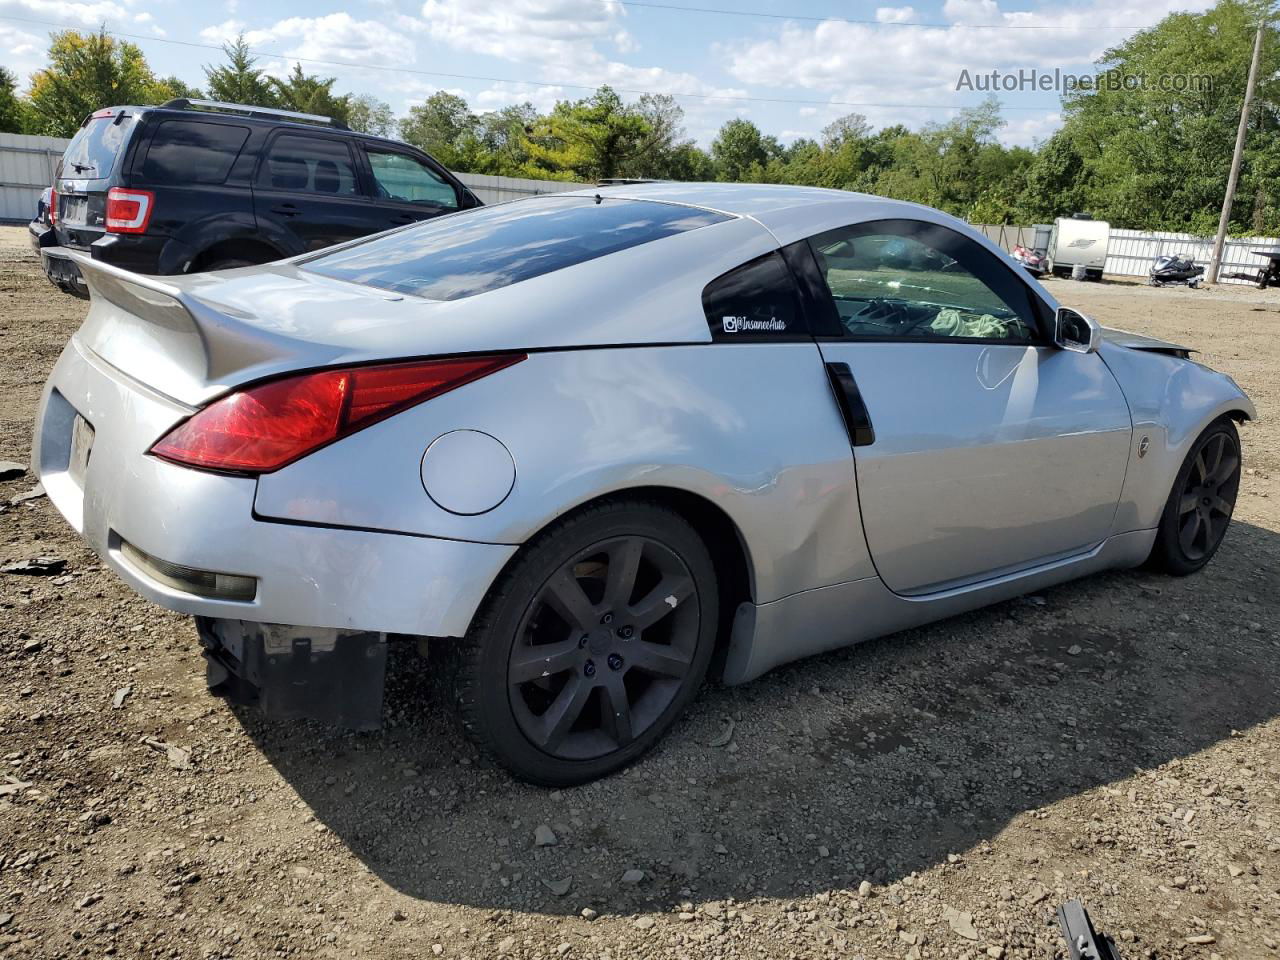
<point x="980" y="448"/>
<point x="308" y="190"/>
<point x="406" y="189"/>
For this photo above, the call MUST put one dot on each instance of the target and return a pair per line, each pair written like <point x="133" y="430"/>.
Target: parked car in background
<point x="600" y="443"/>
<point x="198" y="185"/>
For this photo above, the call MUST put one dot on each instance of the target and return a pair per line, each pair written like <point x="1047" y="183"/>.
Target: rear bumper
<point x="62" y="271"/>
<point x="310" y="576"/>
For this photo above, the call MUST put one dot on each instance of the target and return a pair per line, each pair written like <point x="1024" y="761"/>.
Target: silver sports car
<point x="600" y="444"/>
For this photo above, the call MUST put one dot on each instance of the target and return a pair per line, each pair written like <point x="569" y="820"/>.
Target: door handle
<point x="286" y="209"/>
<point x="856" y="419"/>
<point x="401" y="218"/>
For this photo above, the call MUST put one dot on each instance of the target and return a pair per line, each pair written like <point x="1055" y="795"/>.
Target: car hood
<point x="1136" y="341"/>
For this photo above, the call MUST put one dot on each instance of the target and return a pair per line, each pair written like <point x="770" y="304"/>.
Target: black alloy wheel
<point x="1200" y="505"/>
<point x="591" y="644"/>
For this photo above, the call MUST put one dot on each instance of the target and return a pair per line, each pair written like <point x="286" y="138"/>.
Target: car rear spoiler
<point x="164" y="337"/>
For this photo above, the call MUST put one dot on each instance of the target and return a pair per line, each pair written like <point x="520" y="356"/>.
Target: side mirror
<point x="1072" y="330"/>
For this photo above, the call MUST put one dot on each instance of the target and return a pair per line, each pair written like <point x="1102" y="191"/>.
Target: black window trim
<point x="1037" y="317"/>
<point x="363" y="187"/>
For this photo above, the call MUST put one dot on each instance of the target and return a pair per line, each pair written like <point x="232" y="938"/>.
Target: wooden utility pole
<point x="1215" y="263"/>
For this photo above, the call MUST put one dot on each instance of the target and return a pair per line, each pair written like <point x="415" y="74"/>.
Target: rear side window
<point x="187" y="151"/>
<point x="755" y="300"/>
<point x="459" y="256"/>
<point x="301" y="164"/>
<point x="92" y="152"/>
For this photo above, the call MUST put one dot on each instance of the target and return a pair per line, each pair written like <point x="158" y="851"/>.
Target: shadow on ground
<point x="888" y="757"/>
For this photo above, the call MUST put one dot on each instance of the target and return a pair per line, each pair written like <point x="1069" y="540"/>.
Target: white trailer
<point x="1078" y="241"/>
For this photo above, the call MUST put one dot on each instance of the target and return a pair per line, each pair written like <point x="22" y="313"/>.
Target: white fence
<point x="1131" y="252"/>
<point x="26" y="168"/>
<point x="27" y="165"/>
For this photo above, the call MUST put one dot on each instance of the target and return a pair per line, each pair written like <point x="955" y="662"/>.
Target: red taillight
<point x="128" y="211"/>
<point x="53" y="207"/>
<point x="268" y="426"/>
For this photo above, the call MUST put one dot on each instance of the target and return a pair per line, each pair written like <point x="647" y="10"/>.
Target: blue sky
<point x="719" y="65"/>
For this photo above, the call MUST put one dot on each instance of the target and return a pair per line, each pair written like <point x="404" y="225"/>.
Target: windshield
<point x="92" y="152"/>
<point x="468" y="253"/>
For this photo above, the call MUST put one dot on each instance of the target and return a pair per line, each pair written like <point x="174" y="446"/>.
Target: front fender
<point x="1171" y="401"/>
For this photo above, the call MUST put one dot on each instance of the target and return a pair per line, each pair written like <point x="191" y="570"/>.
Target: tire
<point x="570" y="672"/>
<point x="1198" y="511"/>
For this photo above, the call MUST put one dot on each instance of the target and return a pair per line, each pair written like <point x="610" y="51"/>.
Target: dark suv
<point x="200" y="185"/>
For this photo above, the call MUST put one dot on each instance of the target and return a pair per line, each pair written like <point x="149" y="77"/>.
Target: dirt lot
<point x="933" y="794"/>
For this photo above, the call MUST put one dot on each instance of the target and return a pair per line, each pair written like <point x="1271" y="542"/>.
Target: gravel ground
<point x="933" y="794"/>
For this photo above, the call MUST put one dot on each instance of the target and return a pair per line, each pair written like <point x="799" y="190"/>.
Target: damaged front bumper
<point x="335" y="676"/>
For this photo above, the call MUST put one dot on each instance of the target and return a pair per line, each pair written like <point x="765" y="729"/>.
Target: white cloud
<point x="58" y="11"/>
<point x="525" y="30"/>
<point x="860" y="62"/>
<point x="1027" y="131"/>
<point x="337" y="37"/>
<point x="24" y="52"/>
<point x="895" y="14"/>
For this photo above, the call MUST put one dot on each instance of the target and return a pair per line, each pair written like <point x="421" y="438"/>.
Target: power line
<point x="709" y="97"/>
<point x="645" y="4"/>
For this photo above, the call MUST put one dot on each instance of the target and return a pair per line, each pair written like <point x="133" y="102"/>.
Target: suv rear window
<point x="189" y="151"/>
<point x="92" y="151"/>
<point x="468" y="253"/>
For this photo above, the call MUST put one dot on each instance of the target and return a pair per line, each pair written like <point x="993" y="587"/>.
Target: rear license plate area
<point x="73" y="209"/>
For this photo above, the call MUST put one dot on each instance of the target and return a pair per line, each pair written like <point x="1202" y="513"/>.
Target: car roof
<point x="760" y="201"/>
<point x="226" y="116"/>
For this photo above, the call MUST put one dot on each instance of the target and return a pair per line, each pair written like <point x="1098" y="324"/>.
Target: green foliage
<point x="170" y="88"/>
<point x="741" y="152"/>
<point x="239" y="80"/>
<point x="308" y="93"/>
<point x="86" y="72"/>
<point x="1159" y="158"/>
<point x="590" y="139"/>
<point x="368" y="114"/>
<point x="444" y="126"/>
<point x="11" y="113"/>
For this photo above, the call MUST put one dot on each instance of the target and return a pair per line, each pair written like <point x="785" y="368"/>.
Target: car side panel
<point x="753" y="428"/>
<point x="1171" y="401"/>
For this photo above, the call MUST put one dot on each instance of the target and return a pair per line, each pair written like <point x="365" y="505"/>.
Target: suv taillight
<point x="53" y="207"/>
<point x="129" y="211"/>
<point x="265" y="427"/>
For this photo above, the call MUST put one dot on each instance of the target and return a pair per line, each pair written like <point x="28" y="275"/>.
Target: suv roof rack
<point x="186" y="103"/>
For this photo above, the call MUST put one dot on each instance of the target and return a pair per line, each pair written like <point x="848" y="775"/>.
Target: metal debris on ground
<point x="35" y="567"/>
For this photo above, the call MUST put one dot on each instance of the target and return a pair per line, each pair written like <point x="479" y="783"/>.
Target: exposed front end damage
<point x="335" y="676"/>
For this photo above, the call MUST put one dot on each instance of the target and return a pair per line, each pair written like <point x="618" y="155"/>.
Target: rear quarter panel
<point x="752" y="428"/>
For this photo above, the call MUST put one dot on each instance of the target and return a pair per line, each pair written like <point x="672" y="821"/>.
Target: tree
<point x="444" y="126"/>
<point x="239" y="80"/>
<point x="11" y="113"/>
<point x="741" y="151"/>
<point x="308" y="93"/>
<point x="1157" y="156"/>
<point x="171" y="87"/>
<point x="501" y="136"/>
<point x="595" y="138"/>
<point x="87" y="72"/>
<point x="368" y="114"/>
